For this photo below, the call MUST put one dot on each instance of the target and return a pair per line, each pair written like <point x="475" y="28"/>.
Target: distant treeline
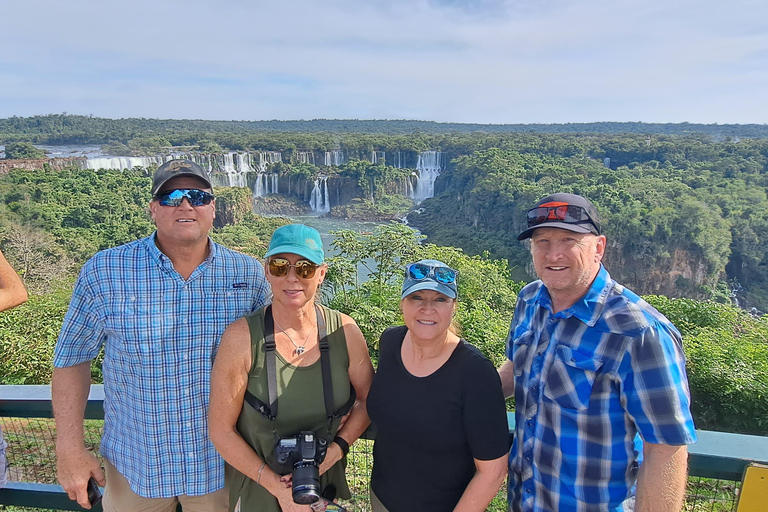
<point x="76" y="129"/>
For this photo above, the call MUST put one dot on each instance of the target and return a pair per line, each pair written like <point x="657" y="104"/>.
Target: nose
<point x="186" y="204"/>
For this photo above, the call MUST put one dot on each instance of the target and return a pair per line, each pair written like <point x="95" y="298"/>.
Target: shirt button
<point x="528" y="491"/>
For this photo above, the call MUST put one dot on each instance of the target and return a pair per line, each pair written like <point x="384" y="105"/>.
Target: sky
<point x="469" y="61"/>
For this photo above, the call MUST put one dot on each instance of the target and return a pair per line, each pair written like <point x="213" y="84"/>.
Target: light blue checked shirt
<point x="591" y="382"/>
<point x="160" y="335"/>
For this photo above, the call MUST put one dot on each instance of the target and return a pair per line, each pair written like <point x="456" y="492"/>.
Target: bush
<point x="727" y="363"/>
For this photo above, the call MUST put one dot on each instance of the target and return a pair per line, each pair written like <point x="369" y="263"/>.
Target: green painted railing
<point x="717" y="455"/>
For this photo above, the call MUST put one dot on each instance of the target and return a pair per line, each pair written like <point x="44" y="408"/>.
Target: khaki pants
<point x="118" y="497"/>
<point x="376" y="505"/>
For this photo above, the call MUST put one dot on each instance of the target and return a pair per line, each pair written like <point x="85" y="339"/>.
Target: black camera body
<point x="301" y="455"/>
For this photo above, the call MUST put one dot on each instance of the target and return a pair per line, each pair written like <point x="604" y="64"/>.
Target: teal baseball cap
<point x="297" y="239"/>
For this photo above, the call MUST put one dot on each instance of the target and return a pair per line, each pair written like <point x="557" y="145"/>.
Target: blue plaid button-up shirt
<point x="160" y="335"/>
<point x="591" y="383"/>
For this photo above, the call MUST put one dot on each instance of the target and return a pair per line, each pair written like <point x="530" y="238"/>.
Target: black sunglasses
<point x="176" y="196"/>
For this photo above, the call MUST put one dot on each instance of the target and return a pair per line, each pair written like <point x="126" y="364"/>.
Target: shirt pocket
<point x="571" y="377"/>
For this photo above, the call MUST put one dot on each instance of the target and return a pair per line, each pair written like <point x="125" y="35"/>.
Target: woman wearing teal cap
<point x="437" y="405"/>
<point x="283" y="378"/>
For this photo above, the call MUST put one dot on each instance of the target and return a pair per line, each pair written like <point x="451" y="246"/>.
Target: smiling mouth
<point x="186" y="220"/>
<point x="426" y="322"/>
<point x="557" y="268"/>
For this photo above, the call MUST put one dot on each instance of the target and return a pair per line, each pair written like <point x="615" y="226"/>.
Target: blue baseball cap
<point x="297" y="239"/>
<point x="430" y="279"/>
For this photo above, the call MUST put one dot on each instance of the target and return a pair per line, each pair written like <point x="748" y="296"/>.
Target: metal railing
<point x="716" y="462"/>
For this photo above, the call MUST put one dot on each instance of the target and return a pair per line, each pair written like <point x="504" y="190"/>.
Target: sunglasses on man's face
<point x="279" y="267"/>
<point x="419" y="271"/>
<point x="567" y="213"/>
<point x="176" y="196"/>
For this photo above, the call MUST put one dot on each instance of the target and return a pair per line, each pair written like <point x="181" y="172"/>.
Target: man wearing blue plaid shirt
<point x="602" y="406"/>
<point x="158" y="307"/>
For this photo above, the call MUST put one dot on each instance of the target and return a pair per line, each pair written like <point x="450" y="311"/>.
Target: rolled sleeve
<point x="655" y="388"/>
<point x="82" y="334"/>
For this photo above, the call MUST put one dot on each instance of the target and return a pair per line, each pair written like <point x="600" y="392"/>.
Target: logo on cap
<point x="311" y="243"/>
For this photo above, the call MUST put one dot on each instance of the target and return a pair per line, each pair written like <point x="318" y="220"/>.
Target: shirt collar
<point x="165" y="262"/>
<point x="590" y="306"/>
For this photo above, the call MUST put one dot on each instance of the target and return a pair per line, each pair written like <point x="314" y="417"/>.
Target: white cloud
<point x="447" y="60"/>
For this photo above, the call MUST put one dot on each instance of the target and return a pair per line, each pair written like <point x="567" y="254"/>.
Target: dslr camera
<point x="301" y="455"/>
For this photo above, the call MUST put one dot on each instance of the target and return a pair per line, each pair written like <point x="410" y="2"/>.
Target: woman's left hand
<point x="332" y="456"/>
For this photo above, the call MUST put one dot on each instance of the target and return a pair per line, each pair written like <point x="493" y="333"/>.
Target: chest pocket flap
<point x="571" y="377"/>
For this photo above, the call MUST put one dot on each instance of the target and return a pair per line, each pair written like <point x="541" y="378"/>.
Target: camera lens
<point x="306" y="484"/>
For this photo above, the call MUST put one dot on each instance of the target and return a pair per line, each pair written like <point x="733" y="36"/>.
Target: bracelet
<point x="343" y="444"/>
<point x="258" y="475"/>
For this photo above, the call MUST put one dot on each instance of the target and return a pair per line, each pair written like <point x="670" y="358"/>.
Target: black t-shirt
<point x="430" y="429"/>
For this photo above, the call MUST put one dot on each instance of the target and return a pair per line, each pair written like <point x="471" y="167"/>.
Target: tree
<point x="22" y="150"/>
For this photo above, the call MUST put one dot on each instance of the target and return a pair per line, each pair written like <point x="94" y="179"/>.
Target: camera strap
<point x="269" y="411"/>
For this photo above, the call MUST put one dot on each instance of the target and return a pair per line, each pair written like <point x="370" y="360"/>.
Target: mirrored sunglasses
<point x="279" y="267"/>
<point x="419" y="271"/>
<point x="569" y="214"/>
<point x="176" y="196"/>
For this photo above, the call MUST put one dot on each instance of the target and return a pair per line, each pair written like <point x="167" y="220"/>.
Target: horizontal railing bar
<point x="49" y="496"/>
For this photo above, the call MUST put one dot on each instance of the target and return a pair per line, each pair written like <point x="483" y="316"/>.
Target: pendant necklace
<point x="299" y="349"/>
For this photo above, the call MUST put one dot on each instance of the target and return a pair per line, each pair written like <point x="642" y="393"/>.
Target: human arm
<point x="229" y="381"/>
<point x="69" y="389"/>
<point x="507" y="376"/>
<point x="12" y="291"/>
<point x="661" y="479"/>
<point x="489" y="475"/>
<point x="361" y="376"/>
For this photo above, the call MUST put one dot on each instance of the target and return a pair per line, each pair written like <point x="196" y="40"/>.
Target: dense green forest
<point x="76" y="129"/>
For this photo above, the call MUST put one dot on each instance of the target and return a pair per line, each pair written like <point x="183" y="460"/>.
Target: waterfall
<point x="378" y="157"/>
<point x="124" y="162"/>
<point x="428" y="167"/>
<point x="304" y="157"/>
<point x="265" y="184"/>
<point x="319" y="200"/>
<point x="268" y="158"/>
<point x="334" y="157"/>
<point x="399" y="160"/>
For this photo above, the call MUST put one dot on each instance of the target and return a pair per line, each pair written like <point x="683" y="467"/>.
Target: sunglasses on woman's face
<point x="176" y="196"/>
<point x="279" y="267"/>
<point x="419" y="271"/>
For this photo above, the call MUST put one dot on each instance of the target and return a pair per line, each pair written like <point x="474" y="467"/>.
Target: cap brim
<point x="292" y="249"/>
<point x="428" y="284"/>
<point x="576" y="228"/>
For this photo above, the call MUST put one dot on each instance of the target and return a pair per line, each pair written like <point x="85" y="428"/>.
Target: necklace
<point x="299" y="349"/>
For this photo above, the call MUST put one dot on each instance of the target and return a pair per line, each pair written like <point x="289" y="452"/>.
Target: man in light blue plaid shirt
<point x="602" y="405"/>
<point x="158" y="306"/>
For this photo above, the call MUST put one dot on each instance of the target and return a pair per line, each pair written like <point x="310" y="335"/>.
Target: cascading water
<point x="268" y="158"/>
<point x="334" y="157"/>
<point x="236" y="174"/>
<point x="265" y="184"/>
<point x="319" y="200"/>
<point x="304" y="157"/>
<point x="378" y="157"/>
<point x="398" y="160"/>
<point x="428" y="167"/>
<point x="124" y="162"/>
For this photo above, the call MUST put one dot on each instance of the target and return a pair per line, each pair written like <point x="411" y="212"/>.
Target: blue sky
<point x="482" y="61"/>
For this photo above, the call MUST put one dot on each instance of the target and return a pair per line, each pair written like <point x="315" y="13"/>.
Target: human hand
<point x="332" y="456"/>
<point x="74" y="468"/>
<point x="287" y="504"/>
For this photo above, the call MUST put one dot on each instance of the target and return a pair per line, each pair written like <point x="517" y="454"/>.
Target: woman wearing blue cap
<point x="283" y="378"/>
<point x="437" y="405"/>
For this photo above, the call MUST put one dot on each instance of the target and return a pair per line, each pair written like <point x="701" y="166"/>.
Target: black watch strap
<point x="342" y="444"/>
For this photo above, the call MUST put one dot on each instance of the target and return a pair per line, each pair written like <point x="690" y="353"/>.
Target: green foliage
<point x="388" y="207"/>
<point x="250" y="236"/>
<point x="20" y="150"/>
<point x="233" y="205"/>
<point x="727" y="362"/>
<point x="28" y="335"/>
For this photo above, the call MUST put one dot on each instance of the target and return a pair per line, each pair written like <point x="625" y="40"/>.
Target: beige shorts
<point x="118" y="497"/>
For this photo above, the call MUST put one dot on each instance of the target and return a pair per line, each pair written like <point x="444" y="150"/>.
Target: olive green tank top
<point x="301" y="406"/>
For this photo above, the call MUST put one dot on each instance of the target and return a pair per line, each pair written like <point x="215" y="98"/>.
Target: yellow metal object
<point x="754" y="489"/>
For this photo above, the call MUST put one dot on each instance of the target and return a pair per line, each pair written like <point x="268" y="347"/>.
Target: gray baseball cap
<point x="175" y="168"/>
<point x="430" y="275"/>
